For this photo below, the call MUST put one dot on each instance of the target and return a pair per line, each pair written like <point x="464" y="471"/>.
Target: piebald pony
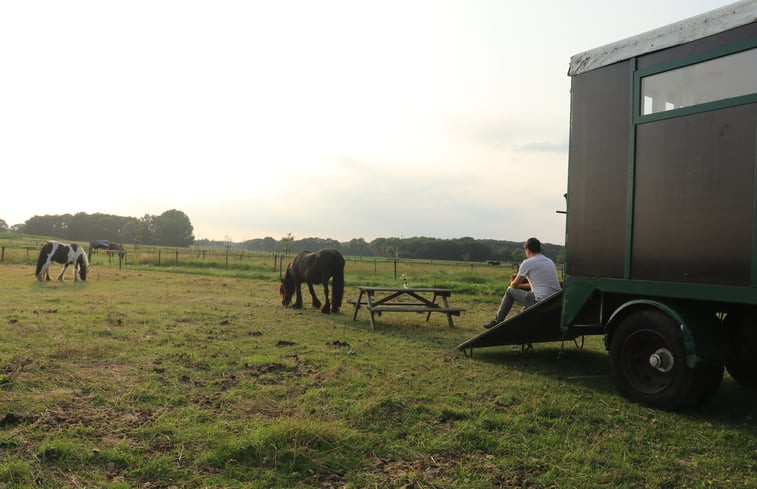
<point x="67" y="254"/>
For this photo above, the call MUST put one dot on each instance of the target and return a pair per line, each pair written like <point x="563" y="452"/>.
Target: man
<point x="536" y="279"/>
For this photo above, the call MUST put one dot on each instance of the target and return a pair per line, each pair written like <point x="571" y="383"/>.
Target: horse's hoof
<point x="325" y="310"/>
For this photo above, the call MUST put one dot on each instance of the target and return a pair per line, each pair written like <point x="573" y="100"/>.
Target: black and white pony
<point x="314" y="268"/>
<point x="67" y="254"/>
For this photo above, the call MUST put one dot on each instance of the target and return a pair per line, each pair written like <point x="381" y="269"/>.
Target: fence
<point x="276" y="262"/>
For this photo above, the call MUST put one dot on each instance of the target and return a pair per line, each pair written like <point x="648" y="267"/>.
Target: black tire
<point x="743" y="364"/>
<point x="648" y="337"/>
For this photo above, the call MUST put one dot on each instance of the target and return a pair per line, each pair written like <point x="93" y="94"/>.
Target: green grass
<point x="195" y="377"/>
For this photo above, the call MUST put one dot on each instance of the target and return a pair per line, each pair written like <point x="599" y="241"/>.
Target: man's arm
<point x="520" y="282"/>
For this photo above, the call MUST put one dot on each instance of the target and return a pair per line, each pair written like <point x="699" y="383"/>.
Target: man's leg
<point x="525" y="297"/>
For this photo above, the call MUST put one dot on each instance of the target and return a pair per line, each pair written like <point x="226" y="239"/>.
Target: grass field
<point x="158" y="377"/>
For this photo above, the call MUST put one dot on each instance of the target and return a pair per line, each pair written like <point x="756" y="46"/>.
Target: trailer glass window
<point x="709" y="81"/>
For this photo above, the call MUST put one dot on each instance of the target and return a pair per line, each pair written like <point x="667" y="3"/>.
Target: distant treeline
<point x="173" y="228"/>
<point x="457" y="249"/>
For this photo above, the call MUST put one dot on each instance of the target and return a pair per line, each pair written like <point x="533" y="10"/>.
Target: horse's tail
<point x="337" y="284"/>
<point x="43" y="254"/>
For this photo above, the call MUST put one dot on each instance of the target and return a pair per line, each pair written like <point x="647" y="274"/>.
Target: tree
<point x="53" y="226"/>
<point x="287" y="243"/>
<point x="173" y="228"/>
<point x="3" y="225"/>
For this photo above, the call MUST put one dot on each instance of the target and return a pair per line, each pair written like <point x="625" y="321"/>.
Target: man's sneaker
<point x="491" y="324"/>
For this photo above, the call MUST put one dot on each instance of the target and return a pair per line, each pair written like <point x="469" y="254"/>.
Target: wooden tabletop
<point x="400" y="289"/>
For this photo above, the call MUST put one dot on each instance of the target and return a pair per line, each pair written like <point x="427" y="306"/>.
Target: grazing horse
<point x="67" y="254"/>
<point x="314" y="268"/>
<point x="110" y="247"/>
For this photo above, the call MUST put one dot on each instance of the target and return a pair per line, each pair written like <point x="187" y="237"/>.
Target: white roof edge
<point x="722" y="19"/>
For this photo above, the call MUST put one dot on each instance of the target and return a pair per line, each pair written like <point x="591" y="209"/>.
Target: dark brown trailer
<point x="661" y="241"/>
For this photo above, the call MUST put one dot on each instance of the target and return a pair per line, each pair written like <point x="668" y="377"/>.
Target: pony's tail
<point x="337" y="286"/>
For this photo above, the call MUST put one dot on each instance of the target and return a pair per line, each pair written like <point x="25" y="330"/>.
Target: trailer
<point x="661" y="222"/>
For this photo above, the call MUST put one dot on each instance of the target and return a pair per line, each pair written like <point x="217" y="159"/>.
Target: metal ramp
<point x="536" y="324"/>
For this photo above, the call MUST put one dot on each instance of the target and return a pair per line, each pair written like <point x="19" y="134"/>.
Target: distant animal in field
<point x="66" y="254"/>
<point x="110" y="247"/>
<point x="314" y="268"/>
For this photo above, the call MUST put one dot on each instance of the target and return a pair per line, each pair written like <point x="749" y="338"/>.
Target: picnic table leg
<point x="357" y="305"/>
<point x="433" y="300"/>
<point x="370" y="309"/>
<point x="449" y="314"/>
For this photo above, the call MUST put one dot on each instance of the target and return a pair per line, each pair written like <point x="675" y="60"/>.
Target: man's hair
<point x="534" y="245"/>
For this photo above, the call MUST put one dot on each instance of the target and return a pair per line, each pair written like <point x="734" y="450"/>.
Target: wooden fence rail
<point x="141" y="255"/>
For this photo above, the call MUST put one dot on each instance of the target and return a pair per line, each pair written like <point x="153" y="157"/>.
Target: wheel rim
<point x="647" y="361"/>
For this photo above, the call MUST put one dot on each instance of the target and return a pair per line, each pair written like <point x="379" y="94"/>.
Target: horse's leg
<point x="60" y="277"/>
<point x="316" y="302"/>
<point x="298" y="301"/>
<point x="327" y="306"/>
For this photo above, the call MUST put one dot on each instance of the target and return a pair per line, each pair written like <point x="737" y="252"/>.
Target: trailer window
<point x="709" y="81"/>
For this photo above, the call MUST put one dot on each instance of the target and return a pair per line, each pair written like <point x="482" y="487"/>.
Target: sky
<point x="335" y="119"/>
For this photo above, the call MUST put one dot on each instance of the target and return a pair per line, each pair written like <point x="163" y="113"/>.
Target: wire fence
<point x="26" y="252"/>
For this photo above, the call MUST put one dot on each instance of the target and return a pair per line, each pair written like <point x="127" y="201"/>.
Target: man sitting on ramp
<point x="536" y="280"/>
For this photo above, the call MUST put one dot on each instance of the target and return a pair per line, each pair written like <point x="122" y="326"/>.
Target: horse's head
<point x="286" y="289"/>
<point x="83" y="264"/>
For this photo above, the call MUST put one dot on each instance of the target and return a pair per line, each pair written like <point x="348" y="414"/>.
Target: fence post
<point x="177" y="258"/>
<point x="275" y="256"/>
<point x="395" y="269"/>
<point x="159" y="256"/>
<point x="2" y="254"/>
<point x="227" y="257"/>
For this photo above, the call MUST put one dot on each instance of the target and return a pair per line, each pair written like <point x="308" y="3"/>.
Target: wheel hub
<point x="662" y="360"/>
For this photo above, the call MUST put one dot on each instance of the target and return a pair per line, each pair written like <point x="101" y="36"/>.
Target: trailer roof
<point x="709" y="23"/>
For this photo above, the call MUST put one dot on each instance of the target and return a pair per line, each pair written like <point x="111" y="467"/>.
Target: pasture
<point x="168" y="377"/>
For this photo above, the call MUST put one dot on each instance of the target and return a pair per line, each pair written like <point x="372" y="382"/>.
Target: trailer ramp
<point x="538" y="323"/>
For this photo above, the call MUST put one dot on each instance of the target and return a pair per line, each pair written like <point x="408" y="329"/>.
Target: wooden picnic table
<point x="400" y="299"/>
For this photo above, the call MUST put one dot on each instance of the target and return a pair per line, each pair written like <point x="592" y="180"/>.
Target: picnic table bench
<point x="400" y="299"/>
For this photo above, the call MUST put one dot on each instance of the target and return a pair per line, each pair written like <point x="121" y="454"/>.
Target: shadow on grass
<point x="732" y="405"/>
<point x="590" y="367"/>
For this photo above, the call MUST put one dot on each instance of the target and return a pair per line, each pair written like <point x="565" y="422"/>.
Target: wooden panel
<point x="694" y="199"/>
<point x="598" y="169"/>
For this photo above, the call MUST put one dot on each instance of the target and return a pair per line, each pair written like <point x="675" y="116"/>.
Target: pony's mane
<point x="82" y="256"/>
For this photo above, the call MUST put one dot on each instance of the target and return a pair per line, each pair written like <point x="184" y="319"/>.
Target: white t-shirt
<point x="541" y="274"/>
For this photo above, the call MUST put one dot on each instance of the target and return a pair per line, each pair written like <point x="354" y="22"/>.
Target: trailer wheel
<point x="649" y="363"/>
<point x="743" y="334"/>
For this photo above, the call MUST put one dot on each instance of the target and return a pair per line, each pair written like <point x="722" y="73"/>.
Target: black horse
<point x="314" y="268"/>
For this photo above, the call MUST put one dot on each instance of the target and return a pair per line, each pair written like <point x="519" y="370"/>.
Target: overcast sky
<point x="319" y="118"/>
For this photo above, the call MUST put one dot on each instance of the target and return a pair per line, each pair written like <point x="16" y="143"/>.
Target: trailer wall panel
<point x="599" y="133"/>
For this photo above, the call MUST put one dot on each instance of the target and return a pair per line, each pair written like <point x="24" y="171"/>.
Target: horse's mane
<point x="83" y="260"/>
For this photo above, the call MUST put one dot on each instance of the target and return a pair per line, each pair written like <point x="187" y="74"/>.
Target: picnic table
<point x="400" y="299"/>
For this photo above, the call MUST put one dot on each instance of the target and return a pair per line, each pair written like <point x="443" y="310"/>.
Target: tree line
<point x="173" y="228"/>
<point x="421" y="248"/>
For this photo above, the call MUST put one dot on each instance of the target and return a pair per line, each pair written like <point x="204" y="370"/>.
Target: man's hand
<point x="519" y="282"/>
